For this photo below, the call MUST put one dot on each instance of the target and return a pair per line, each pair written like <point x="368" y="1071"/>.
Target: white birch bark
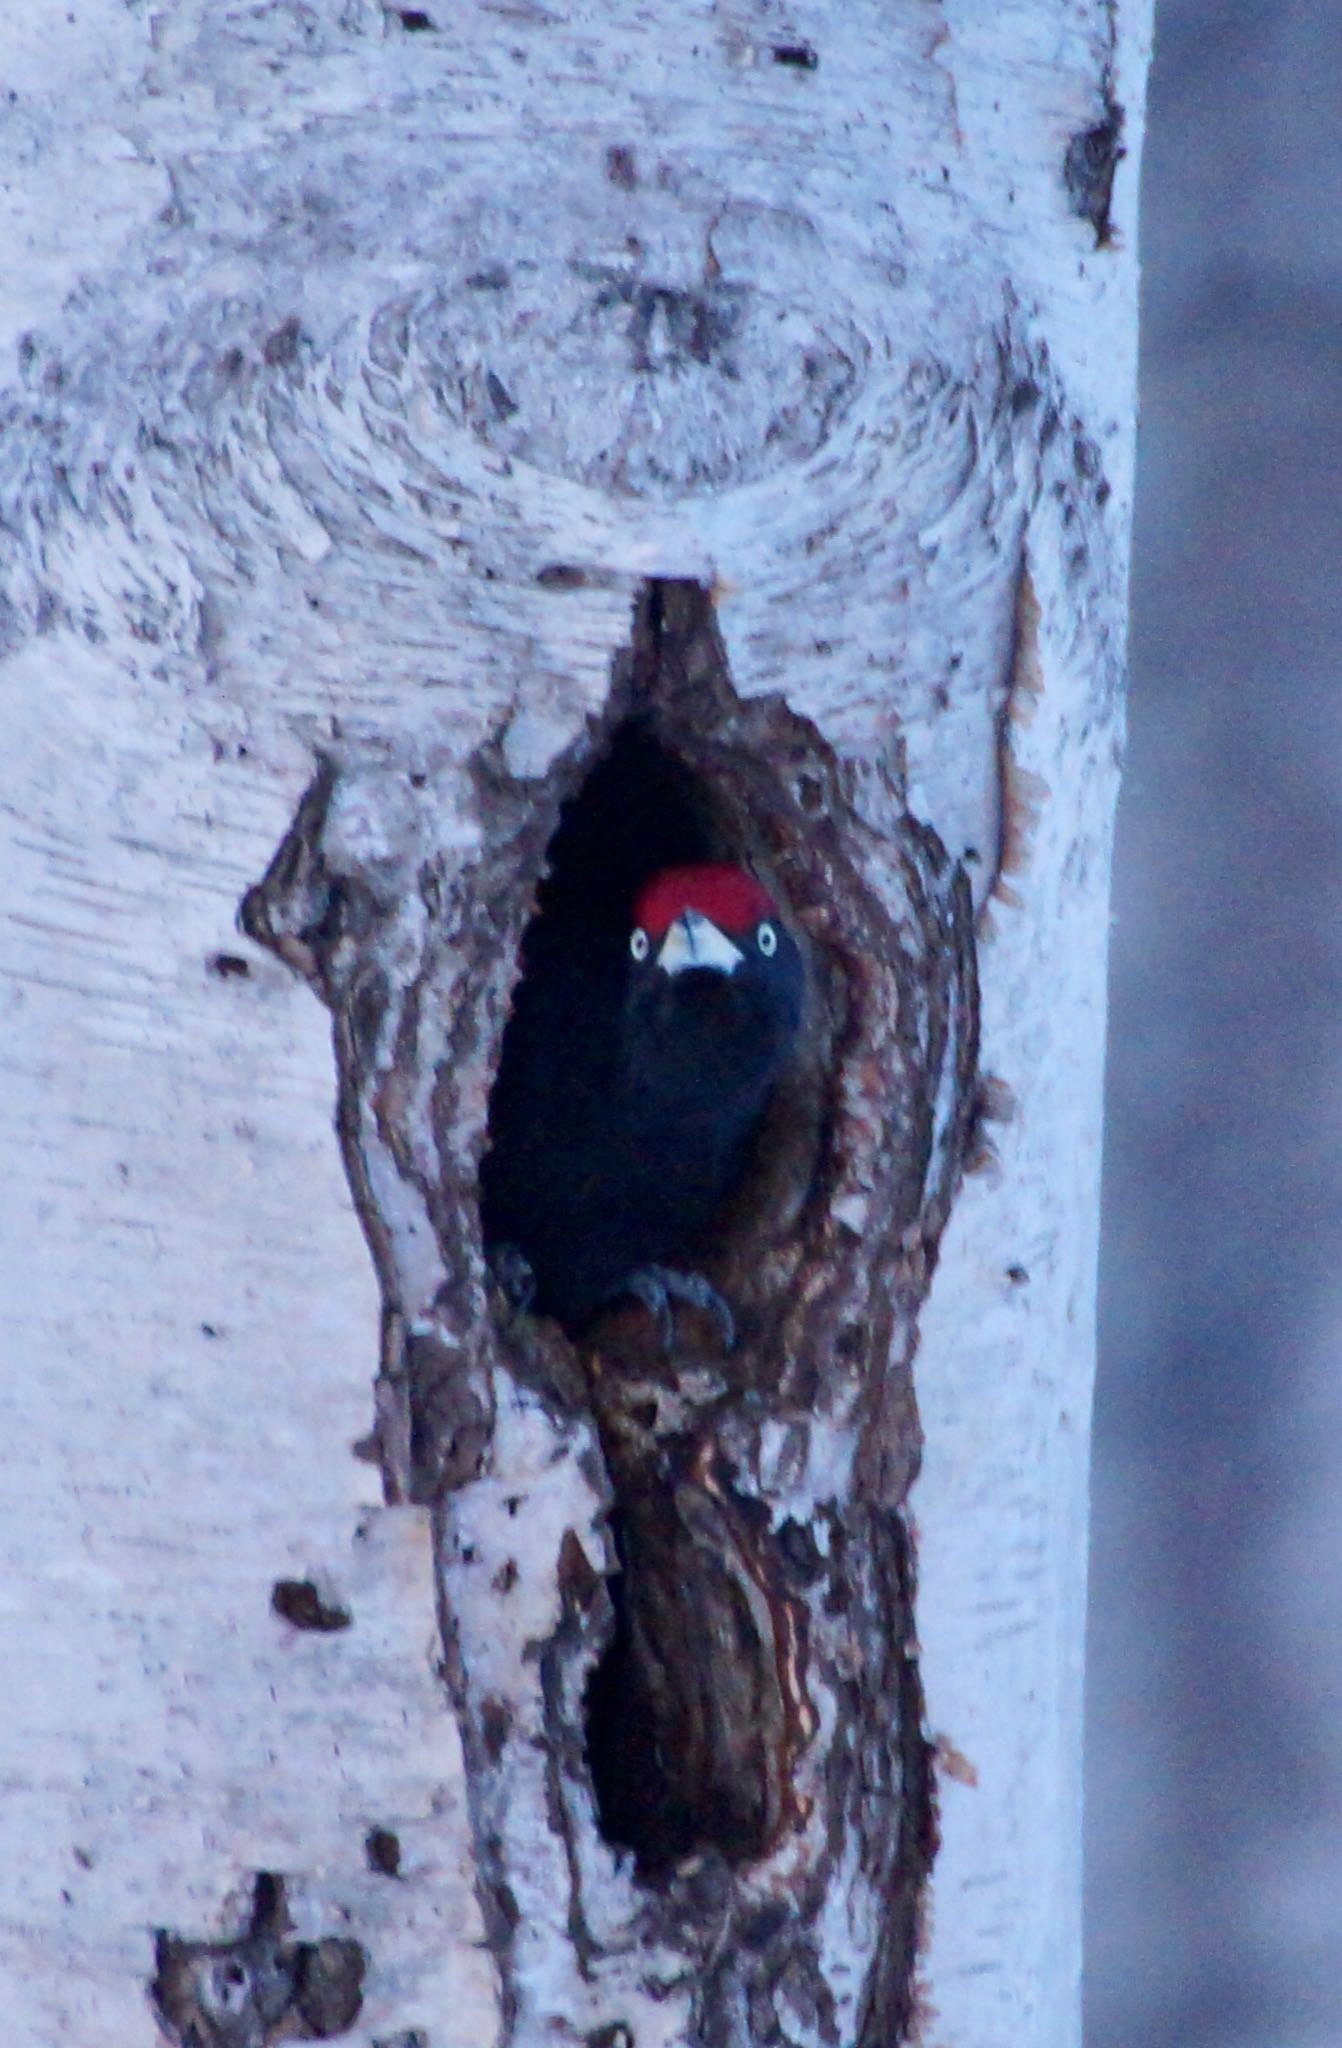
<point x="369" y="364"/>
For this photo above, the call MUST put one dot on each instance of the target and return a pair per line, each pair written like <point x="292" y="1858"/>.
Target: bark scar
<point x="1021" y="793"/>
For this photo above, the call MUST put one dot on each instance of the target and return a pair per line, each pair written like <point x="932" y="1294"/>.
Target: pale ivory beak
<point x="695" y="941"/>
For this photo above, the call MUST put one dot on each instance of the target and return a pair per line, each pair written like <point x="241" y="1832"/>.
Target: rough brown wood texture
<point x="756" y="1724"/>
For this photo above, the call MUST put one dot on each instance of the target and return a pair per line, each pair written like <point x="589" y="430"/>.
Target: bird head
<point x="717" y="980"/>
<point x="711" y="917"/>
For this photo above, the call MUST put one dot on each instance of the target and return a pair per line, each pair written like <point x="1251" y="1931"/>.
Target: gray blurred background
<point x="1214" y="1838"/>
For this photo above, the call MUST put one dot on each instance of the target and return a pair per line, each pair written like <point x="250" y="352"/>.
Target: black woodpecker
<point x="632" y="1079"/>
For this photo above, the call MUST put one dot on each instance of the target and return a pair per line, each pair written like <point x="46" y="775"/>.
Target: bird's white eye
<point x="638" y="943"/>
<point x="766" y="938"/>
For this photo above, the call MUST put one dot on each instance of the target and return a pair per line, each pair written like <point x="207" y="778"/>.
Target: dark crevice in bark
<point x="801" y="56"/>
<point x="1092" y="158"/>
<point x="636" y="1806"/>
<point x="891" y="2007"/>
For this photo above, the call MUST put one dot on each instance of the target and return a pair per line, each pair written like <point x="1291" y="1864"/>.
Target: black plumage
<point x="635" y="1069"/>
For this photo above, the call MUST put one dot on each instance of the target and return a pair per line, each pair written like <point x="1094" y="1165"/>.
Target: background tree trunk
<point x="404" y="407"/>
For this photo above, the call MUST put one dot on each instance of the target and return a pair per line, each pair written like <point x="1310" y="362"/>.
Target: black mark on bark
<point x="382" y="1851"/>
<point x="502" y="400"/>
<point x="262" y="1987"/>
<point x="281" y="347"/>
<point x="621" y="166"/>
<point x="573" y="576"/>
<point x="298" y="1602"/>
<point x="1092" y="158"/>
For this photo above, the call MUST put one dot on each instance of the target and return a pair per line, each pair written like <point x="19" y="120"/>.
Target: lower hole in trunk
<point x="636" y="1807"/>
<point x="670" y="1772"/>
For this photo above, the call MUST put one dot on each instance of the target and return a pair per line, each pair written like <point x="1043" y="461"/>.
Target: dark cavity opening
<point x="625" y="1096"/>
<point x="640" y="809"/>
<point x="637" y="1805"/>
<point x="676" y="1706"/>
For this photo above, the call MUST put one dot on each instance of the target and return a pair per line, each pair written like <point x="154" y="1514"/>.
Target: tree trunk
<point x="429" y="431"/>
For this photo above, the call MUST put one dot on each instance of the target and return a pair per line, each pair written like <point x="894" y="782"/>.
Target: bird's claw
<point x="513" y="1276"/>
<point x="658" y="1286"/>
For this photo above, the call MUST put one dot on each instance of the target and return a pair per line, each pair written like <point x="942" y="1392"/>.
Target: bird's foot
<point x="657" y="1287"/>
<point x="513" y="1276"/>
